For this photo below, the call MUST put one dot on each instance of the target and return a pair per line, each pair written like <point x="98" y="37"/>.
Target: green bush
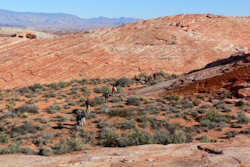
<point x="127" y="125"/>
<point x="239" y="103"/>
<point x="137" y="137"/>
<point x="97" y="101"/>
<point x="4" y="138"/>
<point x="116" y="99"/>
<point x="46" y="151"/>
<point x="213" y="116"/>
<point x="27" y="109"/>
<point x="26" y="127"/>
<point x="53" y="109"/>
<point x="68" y="145"/>
<point x="102" y="90"/>
<point x="12" y="149"/>
<point x="242" y="118"/>
<point x="108" y="137"/>
<point x="36" y="87"/>
<point x="174" y="137"/>
<point x="133" y="100"/>
<point x="196" y="102"/>
<point x="173" y="98"/>
<point x="27" y="151"/>
<point x="127" y="113"/>
<point x="124" y="82"/>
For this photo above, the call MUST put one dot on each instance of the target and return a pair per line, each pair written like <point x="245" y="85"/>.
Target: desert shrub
<point x="58" y="86"/>
<point x="152" y="109"/>
<point x="91" y="115"/>
<point x="97" y="101"/>
<point x="127" y="125"/>
<point x="24" y="90"/>
<point x="196" y="102"/>
<point x="213" y="116"/>
<point x="102" y="125"/>
<point x="41" y="120"/>
<point x="230" y="134"/>
<point x="205" y="106"/>
<point x="108" y="137"/>
<point x="133" y="100"/>
<point x="95" y="81"/>
<point x="102" y="89"/>
<point x="86" y="137"/>
<point x="124" y="82"/>
<point x="26" y="127"/>
<point x="242" y="118"/>
<point x="85" y="91"/>
<point x="185" y="104"/>
<point x="27" y="109"/>
<point x="239" y="103"/>
<point x="53" y="109"/>
<point x="27" y="151"/>
<point x="104" y="109"/>
<point x="68" y="145"/>
<point x="137" y="137"/>
<point x="174" y="137"/>
<point x="172" y="109"/>
<point x="11" y="149"/>
<point x="204" y="139"/>
<point x="116" y="99"/>
<point x="127" y="113"/>
<point x="46" y="151"/>
<point x="43" y="139"/>
<point x="61" y="118"/>
<point x="173" y="98"/>
<point x="4" y="138"/>
<point x="36" y="87"/>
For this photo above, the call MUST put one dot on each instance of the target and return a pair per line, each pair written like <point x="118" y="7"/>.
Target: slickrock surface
<point x="174" y="44"/>
<point x="231" y="73"/>
<point x="235" y="154"/>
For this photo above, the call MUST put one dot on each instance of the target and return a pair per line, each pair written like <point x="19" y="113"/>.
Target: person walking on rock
<point x="114" y="90"/>
<point x="88" y="105"/>
<point x="81" y="118"/>
<point x="106" y="96"/>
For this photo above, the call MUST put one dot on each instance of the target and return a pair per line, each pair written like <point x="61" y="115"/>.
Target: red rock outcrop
<point x="174" y="44"/>
<point x="232" y="73"/>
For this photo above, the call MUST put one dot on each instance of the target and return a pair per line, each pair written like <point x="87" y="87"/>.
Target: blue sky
<point x="130" y="8"/>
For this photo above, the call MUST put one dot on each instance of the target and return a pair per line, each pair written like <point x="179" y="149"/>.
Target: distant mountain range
<point x="58" y="21"/>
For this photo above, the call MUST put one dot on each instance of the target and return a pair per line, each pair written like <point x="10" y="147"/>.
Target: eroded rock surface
<point x="174" y="44"/>
<point x="235" y="154"/>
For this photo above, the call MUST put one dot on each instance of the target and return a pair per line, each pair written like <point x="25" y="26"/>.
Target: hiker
<point x="106" y="95"/>
<point x="81" y="118"/>
<point x="88" y="103"/>
<point x="150" y="78"/>
<point x="155" y="76"/>
<point x="114" y="90"/>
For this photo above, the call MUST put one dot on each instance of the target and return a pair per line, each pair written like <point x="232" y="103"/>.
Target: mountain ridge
<point x="58" y="21"/>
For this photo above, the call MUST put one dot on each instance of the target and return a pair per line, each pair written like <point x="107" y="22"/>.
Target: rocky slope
<point x="174" y="44"/>
<point x="232" y="73"/>
<point x="234" y="154"/>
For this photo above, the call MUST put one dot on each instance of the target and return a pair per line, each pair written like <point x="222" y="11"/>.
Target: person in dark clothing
<point x="81" y="118"/>
<point x="106" y="95"/>
<point x="155" y="76"/>
<point x="88" y="105"/>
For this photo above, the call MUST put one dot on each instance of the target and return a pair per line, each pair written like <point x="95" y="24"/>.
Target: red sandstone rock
<point x="174" y="44"/>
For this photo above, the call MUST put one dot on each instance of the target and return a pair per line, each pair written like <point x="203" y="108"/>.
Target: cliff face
<point x="174" y="44"/>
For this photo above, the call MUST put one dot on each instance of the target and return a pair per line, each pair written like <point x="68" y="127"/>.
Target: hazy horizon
<point x="135" y="9"/>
